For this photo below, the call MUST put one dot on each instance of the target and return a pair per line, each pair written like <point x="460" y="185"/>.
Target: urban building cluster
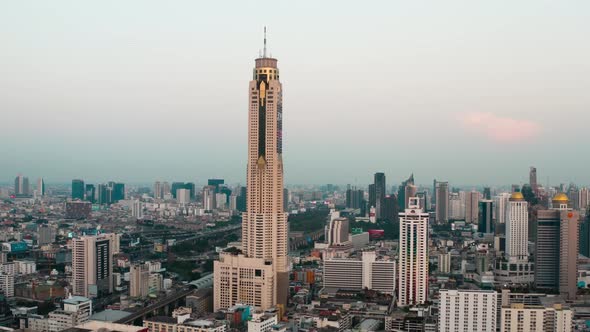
<point x="214" y="257"/>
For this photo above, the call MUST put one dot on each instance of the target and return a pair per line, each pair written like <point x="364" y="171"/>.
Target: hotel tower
<point x="257" y="274"/>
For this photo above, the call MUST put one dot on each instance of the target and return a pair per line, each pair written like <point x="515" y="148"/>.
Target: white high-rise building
<point x="368" y="272"/>
<point x="262" y="268"/>
<point x="220" y="200"/>
<point x="40" y="187"/>
<point x="517" y="228"/>
<point x="209" y="203"/>
<point x="183" y="196"/>
<point x="413" y="255"/>
<point x="337" y="232"/>
<point x="467" y="310"/>
<point x="158" y="190"/>
<point x="92" y="265"/>
<point x="7" y="284"/>
<point x="519" y="317"/>
<point x="456" y="209"/>
<point x="500" y="204"/>
<point x="137" y="209"/>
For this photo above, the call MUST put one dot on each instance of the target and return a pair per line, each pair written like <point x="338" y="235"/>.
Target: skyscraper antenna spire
<point x="264" y="53"/>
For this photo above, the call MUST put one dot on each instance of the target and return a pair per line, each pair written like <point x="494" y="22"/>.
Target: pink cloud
<point x="500" y="128"/>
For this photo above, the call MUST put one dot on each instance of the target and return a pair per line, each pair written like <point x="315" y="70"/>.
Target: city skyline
<point x="481" y="104"/>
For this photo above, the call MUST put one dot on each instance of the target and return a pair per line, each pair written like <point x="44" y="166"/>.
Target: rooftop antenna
<point x="264" y="53"/>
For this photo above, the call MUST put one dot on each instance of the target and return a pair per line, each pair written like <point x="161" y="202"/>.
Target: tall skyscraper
<point x="472" y="207"/>
<point x="78" y="189"/>
<point x="413" y="255"/>
<point x="21" y="186"/>
<point x="533" y="180"/>
<point x="139" y="275"/>
<point x="500" y="204"/>
<point x="442" y="202"/>
<point x="92" y="265"/>
<point x="157" y="190"/>
<point x="401" y="193"/>
<point x="259" y="276"/>
<point x="40" y="187"/>
<point x="410" y="191"/>
<point x="379" y="195"/>
<point x="584" y="199"/>
<point x="517" y="223"/>
<point x="90" y="193"/>
<point x="485" y="223"/>
<point x="337" y="231"/>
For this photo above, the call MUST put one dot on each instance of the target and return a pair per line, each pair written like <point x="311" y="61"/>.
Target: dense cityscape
<point x="179" y="255"/>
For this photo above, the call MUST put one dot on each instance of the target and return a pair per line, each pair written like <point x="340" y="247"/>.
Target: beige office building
<point x="258" y="275"/>
<point x="536" y="318"/>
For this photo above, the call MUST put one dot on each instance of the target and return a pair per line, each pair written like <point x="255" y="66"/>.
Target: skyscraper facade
<point x="258" y="275"/>
<point x="40" y="187"/>
<point x="517" y="223"/>
<point x="92" y="265"/>
<point x="442" y="202"/>
<point x="78" y="189"/>
<point x="472" y="207"/>
<point x="413" y="255"/>
<point x="533" y="179"/>
<point x="485" y="223"/>
<point x="379" y="195"/>
<point x="21" y="186"/>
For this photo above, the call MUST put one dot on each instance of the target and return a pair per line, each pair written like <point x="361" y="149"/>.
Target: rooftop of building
<point x="76" y="300"/>
<point x="109" y="315"/>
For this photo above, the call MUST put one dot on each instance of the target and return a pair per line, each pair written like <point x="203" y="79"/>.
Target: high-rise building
<point x="139" y="280"/>
<point x="456" y="209"/>
<point x="413" y="255"/>
<point x="368" y="272"/>
<point x="517" y="223"/>
<point x="472" y="207"/>
<point x="401" y="193"/>
<point x="137" y="209"/>
<point x="90" y="193"/>
<point x="379" y="195"/>
<point x="467" y="310"/>
<point x="533" y="179"/>
<point x="500" y="204"/>
<point x="21" y="186"/>
<point x="183" y="196"/>
<point x="157" y="190"/>
<point x="519" y="317"/>
<point x="118" y="192"/>
<point x="391" y="210"/>
<point x="40" y="187"/>
<point x="487" y="193"/>
<point x="337" y="231"/>
<point x="372" y="197"/>
<point x="442" y="202"/>
<point x="557" y="247"/>
<point x="165" y="189"/>
<point x="78" y="189"/>
<point x="485" y="223"/>
<point x="583" y="199"/>
<point x="410" y="191"/>
<point x="215" y="183"/>
<point x="259" y="275"/>
<point x="209" y="197"/>
<point x="92" y="265"/>
<point x="354" y="198"/>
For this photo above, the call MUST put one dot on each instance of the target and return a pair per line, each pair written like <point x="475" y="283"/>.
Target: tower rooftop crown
<point x="517" y="196"/>
<point x="560" y="198"/>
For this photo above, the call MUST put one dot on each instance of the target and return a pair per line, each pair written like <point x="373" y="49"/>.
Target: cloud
<point x="500" y="128"/>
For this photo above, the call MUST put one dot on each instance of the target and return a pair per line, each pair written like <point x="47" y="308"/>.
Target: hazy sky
<point x="466" y="91"/>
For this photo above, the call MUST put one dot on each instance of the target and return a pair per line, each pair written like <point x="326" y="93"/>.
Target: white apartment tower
<point x="262" y="268"/>
<point x="413" y="255"/>
<point x="92" y="265"/>
<point x="517" y="228"/>
<point x="467" y="310"/>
